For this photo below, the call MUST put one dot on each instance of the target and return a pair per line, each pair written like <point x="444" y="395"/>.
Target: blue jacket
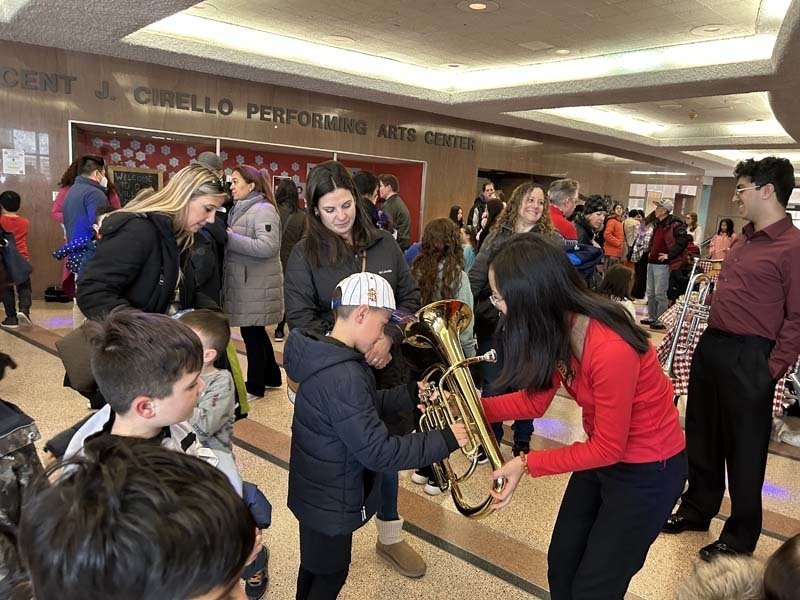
<point x="339" y="442"/>
<point x="81" y="200"/>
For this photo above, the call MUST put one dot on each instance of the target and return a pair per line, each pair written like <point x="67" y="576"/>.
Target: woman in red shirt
<point x="628" y="474"/>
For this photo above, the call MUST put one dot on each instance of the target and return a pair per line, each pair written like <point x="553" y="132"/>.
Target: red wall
<point x="170" y="157"/>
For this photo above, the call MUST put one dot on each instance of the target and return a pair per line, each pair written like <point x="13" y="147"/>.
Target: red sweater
<point x="627" y="402"/>
<point x="561" y="224"/>
<point x="19" y="227"/>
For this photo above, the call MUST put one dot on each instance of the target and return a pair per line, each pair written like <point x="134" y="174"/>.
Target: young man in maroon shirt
<point x="753" y="337"/>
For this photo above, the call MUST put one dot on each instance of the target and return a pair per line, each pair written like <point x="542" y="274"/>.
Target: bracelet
<point x="524" y="457"/>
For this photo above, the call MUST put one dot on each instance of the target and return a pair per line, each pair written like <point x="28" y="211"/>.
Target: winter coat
<point x="253" y="279"/>
<point x="614" y="237"/>
<point x="486" y="315"/>
<point x="676" y="239"/>
<point x="339" y="442"/>
<point x="292" y="226"/>
<point x="398" y="210"/>
<point x="137" y="263"/>
<point x="308" y="288"/>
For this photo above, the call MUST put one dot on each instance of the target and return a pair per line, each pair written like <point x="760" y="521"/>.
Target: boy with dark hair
<point x="11" y="222"/>
<point x="121" y="523"/>
<point x="339" y="442"/>
<point x="148" y="368"/>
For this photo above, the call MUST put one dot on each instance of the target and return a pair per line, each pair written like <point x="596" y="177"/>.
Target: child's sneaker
<point x="256" y="576"/>
<point x="432" y="488"/>
<point x="24" y="318"/>
<point x="10" y="323"/>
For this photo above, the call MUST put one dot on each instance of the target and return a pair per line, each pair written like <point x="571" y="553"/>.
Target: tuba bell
<point x="437" y="326"/>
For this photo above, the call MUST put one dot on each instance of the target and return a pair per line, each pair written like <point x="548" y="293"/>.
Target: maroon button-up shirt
<point x="758" y="291"/>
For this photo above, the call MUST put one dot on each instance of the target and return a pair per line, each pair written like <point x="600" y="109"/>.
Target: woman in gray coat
<point x="253" y="280"/>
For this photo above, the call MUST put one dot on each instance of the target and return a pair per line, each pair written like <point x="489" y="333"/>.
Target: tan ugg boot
<point x="391" y="548"/>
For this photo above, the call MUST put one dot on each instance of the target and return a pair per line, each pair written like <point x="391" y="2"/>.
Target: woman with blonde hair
<point x="142" y="258"/>
<point x="252" y="287"/>
<point x="528" y="210"/>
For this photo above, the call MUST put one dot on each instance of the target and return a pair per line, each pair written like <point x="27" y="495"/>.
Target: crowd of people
<point x="549" y="277"/>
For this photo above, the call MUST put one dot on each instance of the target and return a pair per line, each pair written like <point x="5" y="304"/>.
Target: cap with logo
<point x="666" y="204"/>
<point x="370" y="289"/>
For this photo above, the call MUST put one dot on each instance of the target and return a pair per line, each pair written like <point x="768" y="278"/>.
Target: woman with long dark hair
<point x="628" y="474"/>
<point x="457" y="216"/>
<point x="293" y="220"/>
<point x="341" y="240"/>
<point x="490" y="214"/>
<point x="722" y="240"/>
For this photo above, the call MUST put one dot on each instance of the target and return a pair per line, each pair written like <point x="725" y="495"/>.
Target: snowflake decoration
<point x="223" y="155"/>
<point x="144" y="166"/>
<point x="114" y="144"/>
<point x="130" y="163"/>
<point x="149" y="148"/>
<point x="115" y="157"/>
<point x="296" y="179"/>
<point x="273" y="166"/>
<point x="259" y="160"/>
<point x="161" y="167"/>
<point x="165" y="149"/>
<point x="171" y="174"/>
<point x="128" y="153"/>
<point x="295" y="166"/>
<point x="97" y="142"/>
<point x="136" y="144"/>
<point x="140" y="155"/>
<point x="191" y="151"/>
<point x="173" y="162"/>
<point x="239" y="159"/>
<point x="228" y="172"/>
<point x="284" y="174"/>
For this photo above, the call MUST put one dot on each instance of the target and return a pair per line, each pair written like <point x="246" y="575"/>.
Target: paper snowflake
<point x="191" y="151"/>
<point x="161" y="167"/>
<point x="140" y="155"/>
<point x="114" y="144"/>
<point x="149" y="148"/>
<point x="165" y="149"/>
<point x="223" y="155"/>
<point x="130" y="163"/>
<point x="115" y="157"/>
<point x="273" y="166"/>
<point x="97" y="142"/>
<point x="259" y="160"/>
<point x="136" y="144"/>
<point x="127" y="152"/>
<point x="295" y="166"/>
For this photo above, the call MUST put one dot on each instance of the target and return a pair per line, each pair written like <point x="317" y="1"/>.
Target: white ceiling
<point x="631" y="62"/>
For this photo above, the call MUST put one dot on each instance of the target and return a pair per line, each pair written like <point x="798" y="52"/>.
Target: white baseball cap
<point x="370" y="289"/>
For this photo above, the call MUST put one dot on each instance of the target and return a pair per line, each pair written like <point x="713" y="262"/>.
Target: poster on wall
<point x="13" y="161"/>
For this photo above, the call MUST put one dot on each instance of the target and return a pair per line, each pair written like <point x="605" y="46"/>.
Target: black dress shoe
<point x="710" y="552"/>
<point x="646" y="321"/>
<point x="678" y="524"/>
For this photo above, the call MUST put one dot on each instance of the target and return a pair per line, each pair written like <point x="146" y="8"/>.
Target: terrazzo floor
<point x="502" y="556"/>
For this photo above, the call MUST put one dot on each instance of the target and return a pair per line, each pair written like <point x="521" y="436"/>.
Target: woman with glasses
<point x="142" y="258"/>
<point x="630" y="470"/>
<point x="527" y="210"/>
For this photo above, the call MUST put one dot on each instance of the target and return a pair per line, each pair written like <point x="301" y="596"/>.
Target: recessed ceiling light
<point x="451" y="65"/>
<point x="733" y="101"/>
<point x="562" y="51"/>
<point x="472" y="6"/>
<point x="341" y="40"/>
<point x="709" y="30"/>
<point x="670" y="106"/>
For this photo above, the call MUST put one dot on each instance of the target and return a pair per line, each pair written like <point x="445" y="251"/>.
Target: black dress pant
<point x="728" y="424"/>
<point x="608" y="519"/>
<point x="324" y="564"/>
<point x="262" y="369"/>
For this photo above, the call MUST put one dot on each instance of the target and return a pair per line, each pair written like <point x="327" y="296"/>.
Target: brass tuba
<point x="437" y="326"/>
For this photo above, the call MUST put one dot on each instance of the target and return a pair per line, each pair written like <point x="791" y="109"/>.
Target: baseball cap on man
<point x="666" y="204"/>
<point x="370" y="289"/>
<point x="210" y="161"/>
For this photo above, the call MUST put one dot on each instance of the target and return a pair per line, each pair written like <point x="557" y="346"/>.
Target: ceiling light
<point x="670" y="106"/>
<point x="605" y="118"/>
<point x="710" y="30"/>
<point x="770" y="127"/>
<point x="562" y="51"/>
<point x="341" y="40"/>
<point x="656" y="173"/>
<point x="732" y="101"/>
<point x="484" y="6"/>
<point x="451" y="65"/>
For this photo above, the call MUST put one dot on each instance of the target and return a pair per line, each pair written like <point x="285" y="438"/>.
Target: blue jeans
<point x="491" y="373"/>
<point x="387" y="510"/>
<point x="657" y="283"/>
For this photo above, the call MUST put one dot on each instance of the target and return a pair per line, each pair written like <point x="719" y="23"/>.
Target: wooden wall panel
<point x="450" y="173"/>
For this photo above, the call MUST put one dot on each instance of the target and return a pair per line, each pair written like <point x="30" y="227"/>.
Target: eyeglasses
<point x="495" y="300"/>
<point x="738" y="191"/>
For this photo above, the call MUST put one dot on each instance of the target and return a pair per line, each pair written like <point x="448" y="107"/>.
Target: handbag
<point x="74" y="349"/>
<point x="18" y="270"/>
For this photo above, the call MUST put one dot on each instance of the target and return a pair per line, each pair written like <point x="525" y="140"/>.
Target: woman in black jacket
<point x="142" y="259"/>
<point x="293" y="221"/>
<point x="340" y="240"/>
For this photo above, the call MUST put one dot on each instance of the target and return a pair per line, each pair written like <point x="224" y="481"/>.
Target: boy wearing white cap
<point x="339" y="442"/>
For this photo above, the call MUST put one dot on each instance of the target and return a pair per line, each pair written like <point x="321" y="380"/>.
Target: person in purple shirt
<point x="753" y="337"/>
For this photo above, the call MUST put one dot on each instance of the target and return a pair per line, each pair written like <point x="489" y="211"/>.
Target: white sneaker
<point x="23" y="319"/>
<point x="787" y="436"/>
<point x="418" y="478"/>
<point x="432" y="488"/>
<point x="253" y="397"/>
